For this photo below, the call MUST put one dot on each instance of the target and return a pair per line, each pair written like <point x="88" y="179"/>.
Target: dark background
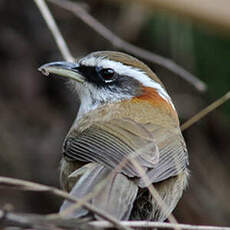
<point x="36" y="112"/>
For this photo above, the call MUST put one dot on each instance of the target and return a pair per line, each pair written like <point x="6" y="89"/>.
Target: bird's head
<point x="107" y="76"/>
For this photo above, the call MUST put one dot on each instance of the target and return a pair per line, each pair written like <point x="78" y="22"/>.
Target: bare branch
<point x="150" y="225"/>
<point x="98" y="27"/>
<point x="26" y="185"/>
<point x="25" y="221"/>
<point x="35" y="221"/>
<point x="205" y="111"/>
<point x="61" y="44"/>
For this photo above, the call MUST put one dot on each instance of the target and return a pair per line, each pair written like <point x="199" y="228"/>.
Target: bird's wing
<point x="112" y="193"/>
<point x="173" y="158"/>
<point x="114" y="142"/>
<point x="159" y="151"/>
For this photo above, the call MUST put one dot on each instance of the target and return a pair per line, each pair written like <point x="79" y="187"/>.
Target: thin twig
<point x="148" y="224"/>
<point x="36" y="221"/>
<point x="61" y="44"/>
<point x="26" y="185"/>
<point x="205" y="111"/>
<point x="22" y="220"/>
<point x="153" y="191"/>
<point x="116" y="41"/>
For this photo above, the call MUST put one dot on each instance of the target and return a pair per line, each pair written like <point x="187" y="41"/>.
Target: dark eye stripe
<point x="91" y="75"/>
<point x="98" y="75"/>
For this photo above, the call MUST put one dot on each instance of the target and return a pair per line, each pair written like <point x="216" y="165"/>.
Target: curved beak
<point x="65" y="69"/>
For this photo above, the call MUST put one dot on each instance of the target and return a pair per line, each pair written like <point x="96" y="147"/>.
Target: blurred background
<point x="37" y="112"/>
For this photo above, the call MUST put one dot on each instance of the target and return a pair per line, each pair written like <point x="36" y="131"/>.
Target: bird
<point x="125" y="138"/>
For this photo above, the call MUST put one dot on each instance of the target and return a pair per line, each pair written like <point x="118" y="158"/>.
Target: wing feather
<point x="115" y="195"/>
<point x="159" y="151"/>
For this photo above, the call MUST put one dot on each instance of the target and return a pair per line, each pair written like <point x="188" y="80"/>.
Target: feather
<point x="159" y="151"/>
<point x="109" y="143"/>
<point x="114" y="195"/>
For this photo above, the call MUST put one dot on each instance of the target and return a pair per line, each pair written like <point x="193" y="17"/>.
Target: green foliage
<point x="213" y="61"/>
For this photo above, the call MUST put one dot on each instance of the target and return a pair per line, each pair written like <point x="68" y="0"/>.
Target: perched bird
<point x="127" y="125"/>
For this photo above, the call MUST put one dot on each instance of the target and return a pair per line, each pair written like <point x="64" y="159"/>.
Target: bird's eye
<point x="108" y="75"/>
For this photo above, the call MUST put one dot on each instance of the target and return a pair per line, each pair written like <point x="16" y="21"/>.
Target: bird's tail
<point x="114" y="193"/>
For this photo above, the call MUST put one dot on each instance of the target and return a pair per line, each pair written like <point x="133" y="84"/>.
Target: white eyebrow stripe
<point x="128" y="71"/>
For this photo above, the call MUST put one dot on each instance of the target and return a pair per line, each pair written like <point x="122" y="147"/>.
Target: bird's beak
<point x="65" y="69"/>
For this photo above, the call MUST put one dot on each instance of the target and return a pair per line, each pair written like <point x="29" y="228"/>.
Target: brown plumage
<point x="122" y="117"/>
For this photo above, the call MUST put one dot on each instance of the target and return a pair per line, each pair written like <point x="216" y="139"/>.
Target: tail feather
<point x="114" y="196"/>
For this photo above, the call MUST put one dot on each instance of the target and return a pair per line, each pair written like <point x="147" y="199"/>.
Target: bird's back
<point x="126" y="196"/>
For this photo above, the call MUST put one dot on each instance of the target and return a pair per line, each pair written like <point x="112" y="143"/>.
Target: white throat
<point x="92" y="98"/>
<point x="87" y="104"/>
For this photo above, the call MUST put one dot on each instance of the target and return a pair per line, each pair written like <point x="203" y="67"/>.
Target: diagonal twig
<point x="205" y="111"/>
<point x="61" y="44"/>
<point x="26" y="185"/>
<point x="116" y="41"/>
<point x="36" y="221"/>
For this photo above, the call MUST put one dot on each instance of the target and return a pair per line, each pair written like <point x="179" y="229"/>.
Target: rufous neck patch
<point x="151" y="96"/>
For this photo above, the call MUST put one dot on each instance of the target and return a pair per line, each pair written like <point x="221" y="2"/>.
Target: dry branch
<point x="25" y="221"/>
<point x="35" y="221"/>
<point x="61" y="44"/>
<point x="151" y="225"/>
<point x="26" y="185"/>
<point x="116" y="41"/>
<point x="205" y="111"/>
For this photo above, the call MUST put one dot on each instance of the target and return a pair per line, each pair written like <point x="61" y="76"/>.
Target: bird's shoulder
<point x="141" y="112"/>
